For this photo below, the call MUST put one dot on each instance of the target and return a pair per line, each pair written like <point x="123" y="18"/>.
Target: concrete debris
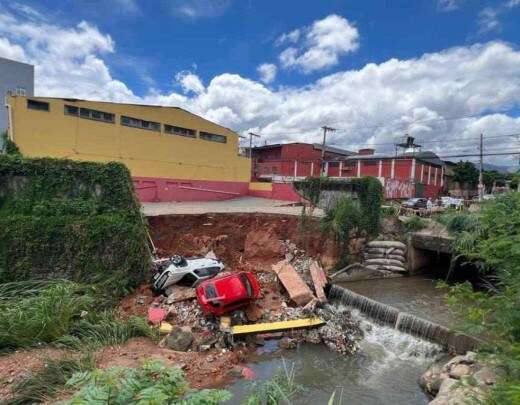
<point x="319" y="280"/>
<point x="299" y="292"/>
<point x="178" y="293"/>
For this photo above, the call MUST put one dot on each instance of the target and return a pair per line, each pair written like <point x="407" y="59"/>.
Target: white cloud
<point x="267" y="72"/>
<point x="193" y="9"/>
<point x="290" y="37"/>
<point x="11" y="51"/>
<point x="489" y="17"/>
<point x="190" y="82"/>
<point x="324" y="42"/>
<point x="127" y="6"/>
<point x="369" y="106"/>
<point x="448" y="5"/>
<point x="488" y="20"/>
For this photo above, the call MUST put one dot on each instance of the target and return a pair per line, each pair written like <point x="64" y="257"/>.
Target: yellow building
<point x="173" y="155"/>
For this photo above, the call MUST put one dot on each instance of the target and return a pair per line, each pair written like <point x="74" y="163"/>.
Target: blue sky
<point x="374" y="69"/>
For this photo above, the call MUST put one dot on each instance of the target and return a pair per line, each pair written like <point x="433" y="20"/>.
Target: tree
<point x="466" y="174"/>
<point x="493" y="178"/>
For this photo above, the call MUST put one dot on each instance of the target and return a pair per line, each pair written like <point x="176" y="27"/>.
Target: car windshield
<point x="247" y="284"/>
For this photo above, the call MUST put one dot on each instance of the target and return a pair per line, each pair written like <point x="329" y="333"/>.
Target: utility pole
<point x="325" y="130"/>
<point x="251" y="134"/>
<point x="481" y="171"/>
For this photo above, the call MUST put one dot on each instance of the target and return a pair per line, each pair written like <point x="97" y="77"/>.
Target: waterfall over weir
<point x="402" y="321"/>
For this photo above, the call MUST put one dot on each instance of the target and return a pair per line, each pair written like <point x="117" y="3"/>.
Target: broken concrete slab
<point x="299" y="292"/>
<point x="319" y="280"/>
<point x="177" y="293"/>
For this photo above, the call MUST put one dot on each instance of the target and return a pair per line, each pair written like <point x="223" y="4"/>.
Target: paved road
<point x="237" y="205"/>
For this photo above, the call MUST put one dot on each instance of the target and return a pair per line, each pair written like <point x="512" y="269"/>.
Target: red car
<point x="225" y="294"/>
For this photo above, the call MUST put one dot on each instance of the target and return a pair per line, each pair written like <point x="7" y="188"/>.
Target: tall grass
<point x="45" y="384"/>
<point x="105" y="329"/>
<point x="32" y="313"/>
<point x="64" y="313"/>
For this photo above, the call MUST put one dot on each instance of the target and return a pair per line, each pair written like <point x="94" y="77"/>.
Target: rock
<point x="179" y="340"/>
<point x="485" y="376"/>
<point x="211" y="254"/>
<point x="287" y="343"/>
<point x="459" y="370"/>
<point x="447" y="385"/>
<point x="253" y="312"/>
<point x="289" y="257"/>
<point x="178" y="293"/>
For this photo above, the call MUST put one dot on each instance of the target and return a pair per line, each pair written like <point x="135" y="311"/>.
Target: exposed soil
<point x="20" y="364"/>
<point x="203" y="369"/>
<point x="243" y="241"/>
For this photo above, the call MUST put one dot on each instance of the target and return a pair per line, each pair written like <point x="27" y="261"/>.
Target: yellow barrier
<point x="276" y="326"/>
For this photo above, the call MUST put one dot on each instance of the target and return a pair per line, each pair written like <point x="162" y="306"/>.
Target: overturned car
<point x="186" y="271"/>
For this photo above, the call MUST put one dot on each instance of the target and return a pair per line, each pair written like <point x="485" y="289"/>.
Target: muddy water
<point x="384" y="371"/>
<point x="416" y="295"/>
<point x="386" y="368"/>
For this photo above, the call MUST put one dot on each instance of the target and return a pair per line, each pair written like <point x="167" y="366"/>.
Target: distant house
<point x="419" y="174"/>
<point x="281" y="162"/>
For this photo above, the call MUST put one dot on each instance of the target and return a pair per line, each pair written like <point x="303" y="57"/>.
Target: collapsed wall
<point x="73" y="220"/>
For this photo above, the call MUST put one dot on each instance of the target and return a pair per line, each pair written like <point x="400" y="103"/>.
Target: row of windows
<point x="89" y="114"/>
<point x="127" y="121"/>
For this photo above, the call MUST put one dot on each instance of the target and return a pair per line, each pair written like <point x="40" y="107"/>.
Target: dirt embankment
<point x="243" y="241"/>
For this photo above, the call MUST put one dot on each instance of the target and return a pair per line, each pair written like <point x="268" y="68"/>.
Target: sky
<point x="443" y="71"/>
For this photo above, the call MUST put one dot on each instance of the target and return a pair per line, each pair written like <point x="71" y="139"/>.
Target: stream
<point x="386" y="368"/>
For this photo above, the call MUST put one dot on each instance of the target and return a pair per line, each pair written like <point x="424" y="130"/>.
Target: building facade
<point x="420" y="174"/>
<point x="15" y="78"/>
<point x="285" y="161"/>
<point x="404" y="176"/>
<point x="172" y="154"/>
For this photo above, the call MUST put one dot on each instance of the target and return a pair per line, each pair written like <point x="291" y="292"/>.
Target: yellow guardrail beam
<point x="276" y="326"/>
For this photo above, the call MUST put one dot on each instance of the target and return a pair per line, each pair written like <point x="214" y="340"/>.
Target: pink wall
<point x="150" y="189"/>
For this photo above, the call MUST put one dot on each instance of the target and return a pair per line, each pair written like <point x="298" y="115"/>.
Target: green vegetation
<point x="63" y="313"/>
<point x="50" y="381"/>
<point x="280" y="389"/>
<point x="343" y="219"/>
<point x="466" y="174"/>
<point x="8" y="146"/>
<point x="368" y="190"/>
<point x="72" y="220"/>
<point x="152" y="383"/>
<point x="491" y="241"/>
<point x="415" y="223"/>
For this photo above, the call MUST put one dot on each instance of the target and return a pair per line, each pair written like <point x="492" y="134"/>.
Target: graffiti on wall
<point x="395" y="188"/>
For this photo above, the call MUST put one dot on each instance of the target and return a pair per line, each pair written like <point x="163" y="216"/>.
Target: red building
<point x="420" y="174"/>
<point x="283" y="162"/>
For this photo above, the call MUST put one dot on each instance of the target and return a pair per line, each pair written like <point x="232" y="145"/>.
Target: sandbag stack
<point x="385" y="255"/>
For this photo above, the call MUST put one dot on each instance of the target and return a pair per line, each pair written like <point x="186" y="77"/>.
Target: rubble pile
<point x="286" y="297"/>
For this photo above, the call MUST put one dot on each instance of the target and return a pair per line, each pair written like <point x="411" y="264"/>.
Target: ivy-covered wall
<point x="368" y="190"/>
<point x="74" y="220"/>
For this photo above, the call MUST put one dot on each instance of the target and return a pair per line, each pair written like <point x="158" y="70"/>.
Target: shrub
<point x="491" y="238"/>
<point x="74" y="220"/>
<point x="152" y="383"/>
<point x="343" y="218"/>
<point x="415" y="223"/>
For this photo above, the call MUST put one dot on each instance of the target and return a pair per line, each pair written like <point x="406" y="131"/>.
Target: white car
<point x="186" y="271"/>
